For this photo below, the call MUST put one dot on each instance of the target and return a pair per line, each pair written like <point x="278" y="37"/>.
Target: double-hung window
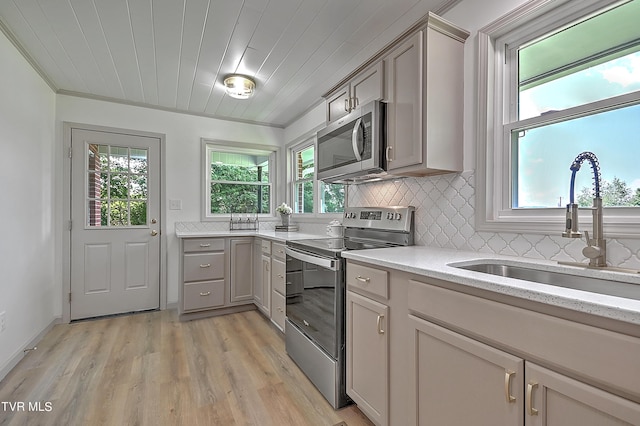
<point x="237" y="179"/>
<point x="306" y="192"/>
<point x="551" y="87"/>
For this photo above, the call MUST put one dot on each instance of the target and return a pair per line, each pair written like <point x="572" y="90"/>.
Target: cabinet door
<point x="338" y="104"/>
<point x="404" y="71"/>
<point x="266" y="284"/>
<point x="241" y="275"/>
<point x="257" y="272"/>
<point x="557" y="400"/>
<point x="459" y="381"/>
<point x="368" y="356"/>
<point x="367" y="86"/>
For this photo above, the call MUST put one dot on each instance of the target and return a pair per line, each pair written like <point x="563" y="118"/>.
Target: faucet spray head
<point x="571" y="223"/>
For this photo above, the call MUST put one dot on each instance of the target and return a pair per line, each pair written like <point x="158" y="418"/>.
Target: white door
<point x="115" y="223"/>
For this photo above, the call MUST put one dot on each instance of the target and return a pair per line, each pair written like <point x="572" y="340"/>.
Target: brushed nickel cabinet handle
<point x="531" y="387"/>
<point x="205" y="293"/>
<point x="280" y="276"/>
<point x="206" y="265"/>
<point x="379" y="325"/>
<point x="507" y="385"/>
<point x="388" y="154"/>
<point x="363" y="279"/>
<point x="205" y="245"/>
<point x="346" y="104"/>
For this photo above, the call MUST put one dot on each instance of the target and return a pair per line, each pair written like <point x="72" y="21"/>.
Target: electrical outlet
<point x="3" y="322"/>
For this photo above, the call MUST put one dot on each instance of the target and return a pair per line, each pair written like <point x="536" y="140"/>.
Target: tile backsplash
<point x="445" y="217"/>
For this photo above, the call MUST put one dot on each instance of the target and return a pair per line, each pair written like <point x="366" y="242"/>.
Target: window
<point x="238" y="179"/>
<point x="552" y="87"/>
<point x="330" y="196"/>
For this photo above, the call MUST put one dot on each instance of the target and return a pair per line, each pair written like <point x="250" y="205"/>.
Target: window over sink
<point x="556" y="79"/>
<point x="238" y="178"/>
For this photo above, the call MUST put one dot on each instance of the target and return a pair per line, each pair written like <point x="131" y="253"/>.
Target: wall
<point x="445" y="205"/>
<point x="30" y="284"/>
<point x="183" y="135"/>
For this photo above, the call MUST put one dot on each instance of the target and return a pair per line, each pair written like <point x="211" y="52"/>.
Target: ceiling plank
<point x="144" y="45"/>
<point x="195" y="16"/>
<point x="168" y="19"/>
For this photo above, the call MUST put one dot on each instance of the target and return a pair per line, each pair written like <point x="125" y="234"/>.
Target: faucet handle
<point x="588" y="240"/>
<point x="591" y="251"/>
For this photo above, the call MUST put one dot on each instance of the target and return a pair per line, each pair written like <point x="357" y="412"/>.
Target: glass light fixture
<point x="239" y="86"/>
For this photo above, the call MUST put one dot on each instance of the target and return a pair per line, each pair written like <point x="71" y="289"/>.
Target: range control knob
<point x="398" y="216"/>
<point x="389" y="216"/>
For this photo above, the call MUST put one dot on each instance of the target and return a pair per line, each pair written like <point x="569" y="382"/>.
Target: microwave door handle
<point x="354" y="139"/>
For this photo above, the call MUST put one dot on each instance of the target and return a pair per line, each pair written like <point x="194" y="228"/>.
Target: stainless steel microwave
<point x="351" y="149"/>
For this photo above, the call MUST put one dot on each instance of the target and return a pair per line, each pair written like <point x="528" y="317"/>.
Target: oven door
<point x="315" y="294"/>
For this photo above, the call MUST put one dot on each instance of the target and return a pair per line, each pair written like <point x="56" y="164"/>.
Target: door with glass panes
<point x="115" y="223"/>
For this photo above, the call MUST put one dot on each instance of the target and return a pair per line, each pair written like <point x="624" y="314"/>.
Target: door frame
<point x="66" y="212"/>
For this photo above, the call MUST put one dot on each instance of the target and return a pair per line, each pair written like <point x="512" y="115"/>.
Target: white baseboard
<point x="19" y="354"/>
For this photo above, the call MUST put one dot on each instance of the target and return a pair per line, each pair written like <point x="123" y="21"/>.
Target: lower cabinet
<point x="368" y="356"/>
<point x="278" y="286"/>
<point x="214" y="276"/>
<point x="459" y="381"/>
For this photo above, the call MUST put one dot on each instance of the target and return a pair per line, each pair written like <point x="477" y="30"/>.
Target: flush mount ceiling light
<point x="239" y="86"/>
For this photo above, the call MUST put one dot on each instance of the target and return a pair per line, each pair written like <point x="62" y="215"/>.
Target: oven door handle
<point x="331" y="264"/>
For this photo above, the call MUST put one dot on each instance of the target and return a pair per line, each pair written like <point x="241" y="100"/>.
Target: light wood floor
<point x="151" y="369"/>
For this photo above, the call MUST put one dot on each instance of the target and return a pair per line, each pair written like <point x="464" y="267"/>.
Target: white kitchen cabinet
<point x="368" y="356"/>
<point x="241" y="276"/>
<point x="425" y="105"/>
<point x="265" y="278"/>
<point x="367" y="337"/>
<point x="364" y="87"/>
<point x="459" y="381"/>
<point x="553" y="399"/>
<point x="212" y="278"/>
<point x="278" y="286"/>
<point x="257" y="274"/>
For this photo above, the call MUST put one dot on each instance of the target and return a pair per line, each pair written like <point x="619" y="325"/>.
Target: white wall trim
<point x="66" y="213"/>
<point x="19" y="354"/>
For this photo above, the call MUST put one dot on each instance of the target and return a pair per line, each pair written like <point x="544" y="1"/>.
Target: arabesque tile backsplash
<point x="445" y="217"/>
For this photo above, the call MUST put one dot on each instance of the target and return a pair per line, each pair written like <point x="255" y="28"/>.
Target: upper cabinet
<point x="425" y="105"/>
<point x="420" y="77"/>
<point x="363" y="88"/>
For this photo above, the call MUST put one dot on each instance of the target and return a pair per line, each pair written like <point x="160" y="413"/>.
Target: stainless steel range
<point x="315" y="324"/>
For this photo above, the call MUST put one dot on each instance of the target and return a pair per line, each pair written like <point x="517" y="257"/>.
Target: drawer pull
<point x="281" y="251"/>
<point x="206" y="293"/>
<point x="280" y="276"/>
<point x="362" y="279"/>
<point x="531" y="387"/>
<point x="206" y="265"/>
<point x="507" y="385"/>
<point x="379" y="324"/>
<point x="205" y="245"/>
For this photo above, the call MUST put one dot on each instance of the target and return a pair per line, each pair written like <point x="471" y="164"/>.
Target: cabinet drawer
<point x="277" y="251"/>
<point x="266" y="247"/>
<point x="203" y="295"/>
<point x="367" y="280"/>
<point x="278" y="309"/>
<point x="278" y="274"/>
<point x="203" y="244"/>
<point x="203" y="266"/>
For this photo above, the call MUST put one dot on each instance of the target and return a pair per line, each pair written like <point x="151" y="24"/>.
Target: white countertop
<point x="435" y="263"/>
<point x="272" y="235"/>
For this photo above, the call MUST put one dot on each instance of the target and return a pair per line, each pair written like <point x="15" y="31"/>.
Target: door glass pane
<point x="138" y="213"/>
<point x="138" y="161"/>
<point x="115" y="177"/>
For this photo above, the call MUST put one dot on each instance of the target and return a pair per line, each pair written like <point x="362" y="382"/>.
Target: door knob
<point x="154" y="233"/>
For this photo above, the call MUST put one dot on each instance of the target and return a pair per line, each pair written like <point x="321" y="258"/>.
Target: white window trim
<point x="291" y="170"/>
<point x="493" y="173"/>
<point x="205" y="214"/>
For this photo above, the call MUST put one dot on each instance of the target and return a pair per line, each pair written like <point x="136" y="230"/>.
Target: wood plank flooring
<point x="151" y="369"/>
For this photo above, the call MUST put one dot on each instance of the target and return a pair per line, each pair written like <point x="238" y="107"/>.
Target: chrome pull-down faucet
<point x="596" y="250"/>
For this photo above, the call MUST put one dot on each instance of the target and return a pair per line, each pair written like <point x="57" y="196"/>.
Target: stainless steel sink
<point x="593" y="285"/>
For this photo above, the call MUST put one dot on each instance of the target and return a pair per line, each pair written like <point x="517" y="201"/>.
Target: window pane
<point x="119" y="159"/>
<point x="305" y="166"/>
<point x="239" y="198"/>
<point x="303" y="197"/>
<point x="594" y="60"/>
<point x="138" y="161"/>
<point x="118" y="186"/>
<point x="332" y="197"/>
<point x="119" y="213"/>
<point x="138" y="186"/>
<point x="97" y="213"/>
<point x="239" y="167"/>
<point x="98" y="157"/>
<point x="542" y="157"/>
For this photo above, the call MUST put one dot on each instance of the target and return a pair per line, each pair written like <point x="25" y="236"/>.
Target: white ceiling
<point x="173" y="54"/>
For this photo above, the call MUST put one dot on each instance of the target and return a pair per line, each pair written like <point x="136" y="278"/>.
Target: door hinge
<point x="70" y="152"/>
<point x="70" y="225"/>
<point x="69" y="297"/>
